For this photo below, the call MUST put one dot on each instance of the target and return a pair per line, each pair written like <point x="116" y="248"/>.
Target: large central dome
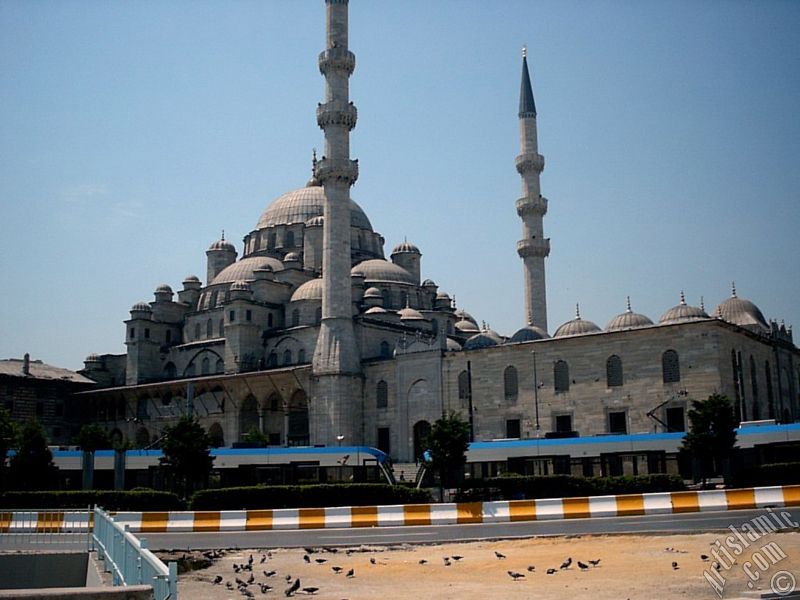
<point x="298" y="206"/>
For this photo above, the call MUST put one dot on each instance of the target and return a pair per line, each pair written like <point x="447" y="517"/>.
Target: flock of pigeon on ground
<point x="245" y="580"/>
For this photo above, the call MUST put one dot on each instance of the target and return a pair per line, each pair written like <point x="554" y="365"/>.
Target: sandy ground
<point x="630" y="567"/>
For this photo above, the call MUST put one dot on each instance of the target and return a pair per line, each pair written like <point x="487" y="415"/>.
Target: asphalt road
<point x="381" y="536"/>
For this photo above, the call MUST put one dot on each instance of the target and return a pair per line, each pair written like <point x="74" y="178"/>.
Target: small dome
<point x="93" y="358"/>
<point x="529" y="333"/>
<point x="163" y="289"/>
<point x="373" y="292"/>
<point x="381" y="270"/>
<point x="317" y="221"/>
<point x="576" y="326"/>
<point x="429" y="283"/>
<point x="376" y="310"/>
<point x="223" y="245"/>
<point x="291" y="257"/>
<point x="240" y="286"/>
<point x="743" y="313"/>
<point x="466" y="326"/>
<point x="452" y="345"/>
<point x="406" y="247"/>
<point x="264" y="268"/>
<point x="244" y="269"/>
<point x="310" y="290"/>
<point x="465" y="316"/>
<point x="628" y="320"/>
<point x="682" y="313"/>
<point x="410" y="314"/>
<point x="484" y="339"/>
<point x="443" y="296"/>
<point x="141" y="307"/>
<point x="298" y="206"/>
<point x="191" y="280"/>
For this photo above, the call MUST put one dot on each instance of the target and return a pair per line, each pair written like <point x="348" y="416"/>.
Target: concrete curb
<point x="416" y="514"/>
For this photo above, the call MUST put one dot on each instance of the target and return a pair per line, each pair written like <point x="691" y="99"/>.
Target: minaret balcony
<point x="533" y="247"/>
<point x="529" y="161"/>
<point x="532" y="206"/>
<point x="342" y="170"/>
<point x="337" y="112"/>
<point x="337" y="59"/>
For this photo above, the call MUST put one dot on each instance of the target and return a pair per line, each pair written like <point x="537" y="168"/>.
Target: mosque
<point x="313" y="337"/>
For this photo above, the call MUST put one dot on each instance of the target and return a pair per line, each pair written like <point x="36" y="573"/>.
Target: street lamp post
<point x="535" y="392"/>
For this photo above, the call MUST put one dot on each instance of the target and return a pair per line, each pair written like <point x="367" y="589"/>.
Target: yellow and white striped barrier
<point x="413" y="514"/>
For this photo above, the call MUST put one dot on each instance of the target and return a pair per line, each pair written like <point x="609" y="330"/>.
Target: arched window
<point x="272" y="360"/>
<point x="289" y="239"/>
<point x="670" y="367"/>
<point x="510" y="384"/>
<point x="382" y="395"/>
<point x="205" y="366"/>
<point x="215" y="435"/>
<point x="613" y="371"/>
<point x="197" y="331"/>
<point x="463" y="388"/>
<point x="213" y="302"/>
<point x="435" y="327"/>
<point x="754" y="386"/>
<point x="271" y="240"/>
<point x="318" y="315"/>
<point x="209" y="329"/>
<point x="386" y="350"/>
<point x="190" y="370"/>
<point x="561" y="376"/>
<point x="221" y="328"/>
<point x="248" y="416"/>
<point x="220" y="366"/>
<point x="287" y="357"/>
<point x="295" y="317"/>
<point x="301" y="356"/>
<point x="170" y="372"/>
<point x="269" y="320"/>
<point x="770" y="392"/>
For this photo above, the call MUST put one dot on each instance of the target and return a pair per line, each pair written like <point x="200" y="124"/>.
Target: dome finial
<point x="683" y="298"/>
<point x="629" y="303"/>
<point x="524" y="51"/>
<point x="702" y="304"/>
<point x="733" y="289"/>
<point x="223" y="235"/>
<point x="577" y="310"/>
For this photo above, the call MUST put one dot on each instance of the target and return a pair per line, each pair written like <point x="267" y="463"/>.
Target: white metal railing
<point x="28" y="528"/>
<point x="128" y="559"/>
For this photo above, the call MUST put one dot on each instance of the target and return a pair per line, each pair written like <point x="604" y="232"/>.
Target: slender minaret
<point x="533" y="247"/>
<point x="336" y="365"/>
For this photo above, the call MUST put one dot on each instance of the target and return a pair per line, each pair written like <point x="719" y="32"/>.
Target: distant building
<point x="32" y="389"/>
<point x="313" y="337"/>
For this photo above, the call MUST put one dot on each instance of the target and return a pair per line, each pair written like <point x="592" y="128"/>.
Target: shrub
<point x="770" y="474"/>
<point x="144" y="500"/>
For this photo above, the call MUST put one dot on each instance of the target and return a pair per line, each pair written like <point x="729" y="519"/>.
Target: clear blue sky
<point x="132" y="133"/>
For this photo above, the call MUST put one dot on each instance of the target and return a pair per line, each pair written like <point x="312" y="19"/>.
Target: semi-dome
<point x="484" y="339"/>
<point x="376" y="310"/>
<point x="317" y="221"/>
<point x="682" y="313"/>
<point x="628" y="320"/>
<point x="576" y="326"/>
<point x="529" y="333"/>
<point x="742" y="312"/>
<point x="310" y="290"/>
<point x="406" y="247"/>
<point x="240" y="286"/>
<point x="373" y="292"/>
<point x="292" y="257"/>
<point x="298" y="206"/>
<point x="452" y="345"/>
<point x="410" y="314"/>
<point x="466" y="326"/>
<point x="377" y="269"/>
<point x="245" y="268"/>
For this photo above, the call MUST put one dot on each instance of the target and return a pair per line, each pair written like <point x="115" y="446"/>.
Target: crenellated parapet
<point x="337" y="59"/>
<point x="539" y="248"/>
<point x="528" y="162"/>
<point x="532" y="206"/>
<point x="337" y="112"/>
<point x="340" y="170"/>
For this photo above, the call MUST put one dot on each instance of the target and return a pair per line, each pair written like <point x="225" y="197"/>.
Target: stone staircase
<point x="409" y="471"/>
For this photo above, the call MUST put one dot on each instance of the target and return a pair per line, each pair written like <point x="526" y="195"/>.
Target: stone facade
<point x="313" y="337"/>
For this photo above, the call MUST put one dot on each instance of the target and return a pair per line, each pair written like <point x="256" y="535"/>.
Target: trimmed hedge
<point x="306" y="496"/>
<point x="566" y="486"/>
<point x="135" y="500"/>
<point x="770" y="474"/>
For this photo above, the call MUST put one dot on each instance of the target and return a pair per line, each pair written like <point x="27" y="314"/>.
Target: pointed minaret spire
<point x="533" y="248"/>
<point x="527" y="106"/>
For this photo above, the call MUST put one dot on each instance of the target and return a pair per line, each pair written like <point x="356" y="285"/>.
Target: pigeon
<point x="566" y="563"/>
<point x="531" y="569"/>
<point x="552" y="571"/>
<point x="704" y="557"/>
<point x="306" y="558"/>
<point x="251" y="579"/>
<point x="515" y="576"/>
<point x="499" y="555"/>
<point x="311" y="590"/>
<point x="674" y="564"/>
<point x="263" y="558"/>
<point x="288" y="578"/>
<point x="372" y="561"/>
<point x="422" y="561"/>
<point x="250" y="560"/>
<point x="217" y="579"/>
<point x="320" y="561"/>
<point x="446" y="561"/>
<point x="229" y="585"/>
<point x="264" y="587"/>
<point x="457" y="557"/>
<point x="716" y="566"/>
<point x="595" y="562"/>
<point x="351" y="573"/>
<point x="240" y="583"/>
<point x="309" y="550"/>
<point x="236" y="568"/>
<point x="583" y="566"/>
<point x="269" y="573"/>
<point x="336" y="570"/>
<point x="293" y="588"/>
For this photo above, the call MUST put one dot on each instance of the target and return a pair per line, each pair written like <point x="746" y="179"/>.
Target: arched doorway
<point x="297" y="434"/>
<point x="142" y="438"/>
<point x="422" y="429"/>
<point x="273" y="421"/>
<point x="216" y="436"/>
<point x="248" y="416"/>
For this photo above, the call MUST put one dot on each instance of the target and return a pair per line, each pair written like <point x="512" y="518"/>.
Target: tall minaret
<point x="533" y="247"/>
<point x="336" y="364"/>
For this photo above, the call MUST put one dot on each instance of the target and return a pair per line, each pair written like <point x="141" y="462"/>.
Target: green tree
<point x="712" y="434"/>
<point x="187" y="459"/>
<point x="93" y="437"/>
<point x="447" y="443"/>
<point x="256" y="436"/>
<point x="32" y="466"/>
<point x="8" y="438"/>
